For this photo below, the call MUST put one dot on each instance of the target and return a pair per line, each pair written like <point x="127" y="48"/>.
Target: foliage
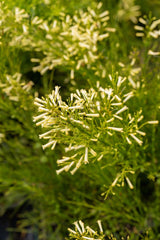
<point x="79" y="94"/>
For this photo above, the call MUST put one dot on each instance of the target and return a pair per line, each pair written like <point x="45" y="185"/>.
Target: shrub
<point x="79" y="116"/>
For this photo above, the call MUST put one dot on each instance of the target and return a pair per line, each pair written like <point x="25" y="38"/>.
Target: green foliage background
<point x="42" y="201"/>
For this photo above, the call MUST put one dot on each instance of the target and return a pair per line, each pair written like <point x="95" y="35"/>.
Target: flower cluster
<point x="149" y="29"/>
<point x="90" y="124"/>
<point x="78" y="40"/>
<point x="14" y="87"/>
<point x="128" y="10"/>
<point x="81" y="232"/>
<point x="71" y="41"/>
<point x="119" y="181"/>
<point x="133" y="72"/>
<point x="11" y="22"/>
